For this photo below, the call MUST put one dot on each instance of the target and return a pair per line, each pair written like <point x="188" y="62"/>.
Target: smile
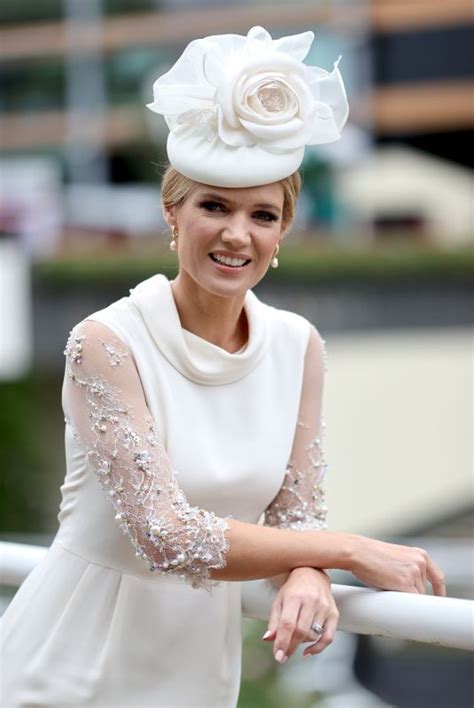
<point x="227" y="261"/>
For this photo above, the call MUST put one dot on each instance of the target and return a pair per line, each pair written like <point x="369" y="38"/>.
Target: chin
<point x="225" y="289"/>
<point x="222" y="286"/>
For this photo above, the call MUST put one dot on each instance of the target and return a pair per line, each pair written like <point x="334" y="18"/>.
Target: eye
<point x="212" y="206"/>
<point x="266" y="216"/>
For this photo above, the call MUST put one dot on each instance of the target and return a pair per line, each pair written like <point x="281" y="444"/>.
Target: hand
<point x="389" y="566"/>
<point x="305" y="598"/>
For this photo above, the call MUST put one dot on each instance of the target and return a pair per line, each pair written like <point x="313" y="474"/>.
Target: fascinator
<point x="242" y="109"/>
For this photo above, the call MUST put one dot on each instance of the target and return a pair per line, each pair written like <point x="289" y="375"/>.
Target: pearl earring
<point x="173" y="244"/>
<point x="274" y="262"/>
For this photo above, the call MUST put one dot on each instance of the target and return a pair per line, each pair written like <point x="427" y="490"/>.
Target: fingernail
<point x="267" y="634"/>
<point x="280" y="657"/>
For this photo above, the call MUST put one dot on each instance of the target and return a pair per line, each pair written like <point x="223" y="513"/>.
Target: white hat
<point x="241" y="109"/>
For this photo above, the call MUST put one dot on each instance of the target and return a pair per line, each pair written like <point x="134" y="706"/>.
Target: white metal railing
<point x="17" y="560"/>
<point x="445" y="621"/>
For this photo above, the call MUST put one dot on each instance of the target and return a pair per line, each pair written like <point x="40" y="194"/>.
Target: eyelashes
<point x="217" y="206"/>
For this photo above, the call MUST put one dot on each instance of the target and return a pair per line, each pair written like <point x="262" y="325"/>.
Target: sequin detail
<point x="325" y="355"/>
<point x="135" y="472"/>
<point x="300" y="505"/>
<point x="115" y="355"/>
<point x="73" y="350"/>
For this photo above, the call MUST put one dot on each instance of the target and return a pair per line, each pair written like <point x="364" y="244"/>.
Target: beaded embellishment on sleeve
<point x="133" y="468"/>
<point x="300" y="504"/>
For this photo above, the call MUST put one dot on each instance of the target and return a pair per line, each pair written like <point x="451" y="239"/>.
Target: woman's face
<point x="227" y="237"/>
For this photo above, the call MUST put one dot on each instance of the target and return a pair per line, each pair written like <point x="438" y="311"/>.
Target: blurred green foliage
<point x="260" y="686"/>
<point x="114" y="7"/>
<point x="15" y="11"/>
<point x="302" y="264"/>
<point x="37" y="87"/>
<point x="32" y="453"/>
<point x="12" y="11"/>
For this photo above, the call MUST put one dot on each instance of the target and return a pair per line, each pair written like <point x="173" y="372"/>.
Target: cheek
<point x="269" y="243"/>
<point x="199" y="228"/>
<point x="196" y="236"/>
<point x="263" y="252"/>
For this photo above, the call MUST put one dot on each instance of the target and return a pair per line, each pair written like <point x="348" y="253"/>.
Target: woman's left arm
<point x="304" y="596"/>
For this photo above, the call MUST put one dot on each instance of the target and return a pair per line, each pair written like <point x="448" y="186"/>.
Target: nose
<point x="236" y="232"/>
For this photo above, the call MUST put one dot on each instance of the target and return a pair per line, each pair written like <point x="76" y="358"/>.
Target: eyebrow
<point x="220" y="198"/>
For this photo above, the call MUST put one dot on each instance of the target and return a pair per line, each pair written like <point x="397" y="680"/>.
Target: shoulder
<point x="316" y="357"/>
<point x="316" y="344"/>
<point x="92" y="330"/>
<point x="93" y="341"/>
<point x="287" y="322"/>
<point x="294" y="329"/>
<point x="117" y="321"/>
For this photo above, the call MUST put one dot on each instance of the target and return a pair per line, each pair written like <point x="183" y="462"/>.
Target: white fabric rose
<point x="241" y="109"/>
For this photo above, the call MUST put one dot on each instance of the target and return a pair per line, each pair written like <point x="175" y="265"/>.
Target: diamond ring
<point x="318" y="628"/>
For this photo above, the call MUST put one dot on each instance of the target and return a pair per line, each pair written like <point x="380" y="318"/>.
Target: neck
<point x="219" y="320"/>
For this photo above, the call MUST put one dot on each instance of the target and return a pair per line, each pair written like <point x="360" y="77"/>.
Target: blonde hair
<point x="176" y="188"/>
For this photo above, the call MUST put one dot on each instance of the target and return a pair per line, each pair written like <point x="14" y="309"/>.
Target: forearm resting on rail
<point x="263" y="552"/>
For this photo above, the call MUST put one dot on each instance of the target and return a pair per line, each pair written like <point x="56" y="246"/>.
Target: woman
<point x="197" y="408"/>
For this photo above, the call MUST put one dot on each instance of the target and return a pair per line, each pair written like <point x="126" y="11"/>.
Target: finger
<point x="286" y="626"/>
<point x="436" y="577"/>
<point x="423" y="578"/>
<point x="308" y="611"/>
<point x="311" y="650"/>
<point x="420" y="579"/>
<point x="420" y="585"/>
<point x="330" y="626"/>
<point x="322" y="619"/>
<point x="273" y="619"/>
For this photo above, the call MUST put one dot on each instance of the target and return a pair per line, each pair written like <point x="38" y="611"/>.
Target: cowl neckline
<point x="195" y="357"/>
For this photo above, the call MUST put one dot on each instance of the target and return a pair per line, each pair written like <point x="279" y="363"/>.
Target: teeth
<point x="228" y="261"/>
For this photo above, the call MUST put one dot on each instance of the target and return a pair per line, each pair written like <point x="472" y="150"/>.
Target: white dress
<point x="167" y="437"/>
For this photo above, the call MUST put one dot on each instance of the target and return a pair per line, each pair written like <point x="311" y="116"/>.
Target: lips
<point x="231" y="261"/>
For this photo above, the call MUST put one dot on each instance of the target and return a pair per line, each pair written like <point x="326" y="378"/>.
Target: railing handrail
<point x="445" y="621"/>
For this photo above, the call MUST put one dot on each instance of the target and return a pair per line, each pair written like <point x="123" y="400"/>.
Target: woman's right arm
<point x="261" y="552"/>
<point x="300" y="508"/>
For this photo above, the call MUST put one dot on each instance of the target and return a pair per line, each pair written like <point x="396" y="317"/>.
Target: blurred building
<point x="398" y="188"/>
<point x="76" y="76"/>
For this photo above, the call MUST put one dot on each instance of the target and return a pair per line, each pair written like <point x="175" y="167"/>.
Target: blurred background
<point x="380" y="260"/>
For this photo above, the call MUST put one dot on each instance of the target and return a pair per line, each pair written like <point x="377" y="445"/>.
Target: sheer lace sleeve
<point x="300" y="504"/>
<point x="104" y="403"/>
